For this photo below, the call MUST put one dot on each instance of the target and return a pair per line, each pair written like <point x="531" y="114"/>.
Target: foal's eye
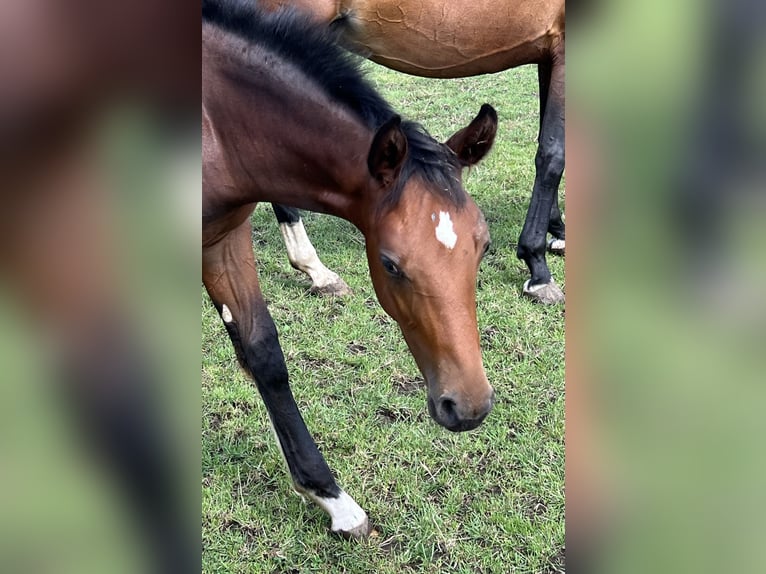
<point x="391" y="267"/>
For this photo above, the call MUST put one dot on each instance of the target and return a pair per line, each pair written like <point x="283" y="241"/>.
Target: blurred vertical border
<point x="99" y="286"/>
<point x="666" y="276"/>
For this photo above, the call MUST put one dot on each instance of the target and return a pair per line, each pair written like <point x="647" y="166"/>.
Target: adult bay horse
<point x="452" y="39"/>
<point x="286" y="117"/>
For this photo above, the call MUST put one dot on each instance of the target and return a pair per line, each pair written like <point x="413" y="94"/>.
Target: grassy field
<point x="491" y="500"/>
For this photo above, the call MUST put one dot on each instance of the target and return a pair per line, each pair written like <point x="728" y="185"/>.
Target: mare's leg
<point x="231" y="279"/>
<point x="303" y="256"/>
<point x="556" y="244"/>
<point x="549" y="166"/>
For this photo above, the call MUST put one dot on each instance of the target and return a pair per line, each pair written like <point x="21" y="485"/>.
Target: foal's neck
<point x="321" y="164"/>
<point x="283" y="140"/>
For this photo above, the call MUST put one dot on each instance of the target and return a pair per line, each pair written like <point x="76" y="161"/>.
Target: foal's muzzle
<point x="456" y="416"/>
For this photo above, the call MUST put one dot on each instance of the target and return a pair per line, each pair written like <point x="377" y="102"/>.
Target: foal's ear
<point x="474" y="141"/>
<point x="387" y="153"/>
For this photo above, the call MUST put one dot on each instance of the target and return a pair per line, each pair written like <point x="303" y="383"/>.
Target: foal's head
<point x="424" y="246"/>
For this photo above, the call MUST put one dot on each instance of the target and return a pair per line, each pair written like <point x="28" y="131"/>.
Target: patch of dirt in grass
<point x="407" y="385"/>
<point x="337" y="308"/>
<point x="249" y="531"/>
<point x="231" y="410"/>
<point x="533" y="507"/>
<point x="478" y="460"/>
<point x="518" y="352"/>
<point x="254" y="483"/>
<point x="388" y="416"/>
<point x="468" y="501"/>
<point x="552" y="395"/>
<point x="381" y="319"/>
<point x="259" y="240"/>
<point x="495" y="490"/>
<point x="240" y="406"/>
<point x="370" y="303"/>
<point x="557" y="562"/>
<point x="496" y="263"/>
<point x="316" y="363"/>
<point x="391" y="545"/>
<point x="441" y="551"/>
<point x="488" y="335"/>
<point x="356" y="349"/>
<point x="438" y="493"/>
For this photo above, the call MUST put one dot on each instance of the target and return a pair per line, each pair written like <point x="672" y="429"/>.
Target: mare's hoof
<point x="359" y="532"/>
<point x="546" y="293"/>
<point x="337" y="288"/>
<point x="556" y="246"/>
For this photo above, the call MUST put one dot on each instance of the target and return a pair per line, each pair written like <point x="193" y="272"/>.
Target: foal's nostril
<point x="448" y="414"/>
<point x="448" y="408"/>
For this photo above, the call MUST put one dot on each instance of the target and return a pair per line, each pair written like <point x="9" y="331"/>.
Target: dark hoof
<point x="546" y="293"/>
<point x="557" y="246"/>
<point x="335" y="289"/>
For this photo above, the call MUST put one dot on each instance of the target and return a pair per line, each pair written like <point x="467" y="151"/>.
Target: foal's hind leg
<point x="549" y="166"/>
<point x="230" y="277"/>
<point x="303" y="256"/>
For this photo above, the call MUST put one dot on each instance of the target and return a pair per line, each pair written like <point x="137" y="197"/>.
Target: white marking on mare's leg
<point x="556" y="246"/>
<point x="445" y="232"/>
<point x="531" y="289"/>
<point x="226" y="314"/>
<point x="303" y="257"/>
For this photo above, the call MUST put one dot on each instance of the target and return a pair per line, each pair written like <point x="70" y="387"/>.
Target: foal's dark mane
<point x="314" y="49"/>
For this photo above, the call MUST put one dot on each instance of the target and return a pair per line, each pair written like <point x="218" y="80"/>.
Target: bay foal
<point x="287" y="118"/>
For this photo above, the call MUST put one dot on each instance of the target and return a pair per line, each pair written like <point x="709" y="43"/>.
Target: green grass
<point x="491" y="500"/>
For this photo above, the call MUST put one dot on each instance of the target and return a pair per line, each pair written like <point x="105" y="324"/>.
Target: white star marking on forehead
<point x="445" y="232"/>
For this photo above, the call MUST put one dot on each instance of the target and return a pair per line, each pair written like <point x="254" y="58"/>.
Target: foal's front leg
<point x="231" y="280"/>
